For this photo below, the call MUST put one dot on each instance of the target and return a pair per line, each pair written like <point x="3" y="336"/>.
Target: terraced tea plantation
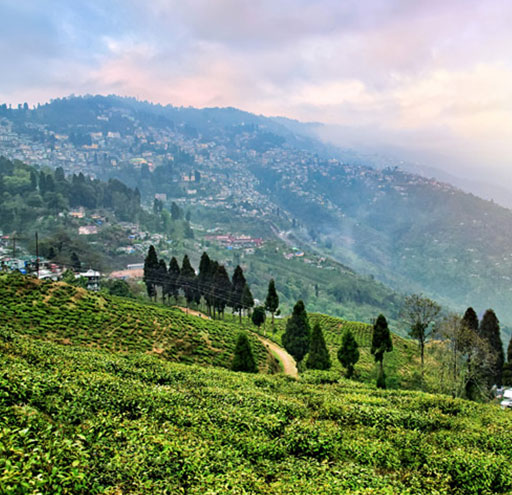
<point x="84" y="421"/>
<point x="401" y="365"/>
<point x="74" y="316"/>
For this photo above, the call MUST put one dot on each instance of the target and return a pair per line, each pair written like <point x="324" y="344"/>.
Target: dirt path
<point x="193" y="312"/>
<point x="288" y="362"/>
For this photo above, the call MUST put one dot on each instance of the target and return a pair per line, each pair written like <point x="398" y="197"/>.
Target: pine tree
<point x="258" y="316"/>
<point x="490" y="331"/>
<point x="238" y="283"/>
<point x="348" y="353"/>
<point x="318" y="358"/>
<point x="172" y="287"/>
<point x="247" y="299"/>
<point x="381" y="342"/>
<point x="272" y="300"/>
<point x="222" y="289"/>
<point x="470" y="321"/>
<point x="150" y="268"/>
<point x="161" y="277"/>
<point x="297" y="336"/>
<point x="204" y="279"/>
<point x="210" y="294"/>
<point x="507" y="368"/>
<point x="187" y="280"/>
<point x="243" y="360"/>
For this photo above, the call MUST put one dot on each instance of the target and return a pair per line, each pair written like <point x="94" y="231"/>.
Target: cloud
<point x="432" y="74"/>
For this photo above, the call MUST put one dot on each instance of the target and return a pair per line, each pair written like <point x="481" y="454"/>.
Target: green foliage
<point x="348" y="353"/>
<point x="82" y="420"/>
<point x="243" y="360"/>
<point x="272" y="299"/>
<point x="297" y="336"/>
<point x="64" y="313"/>
<point x="381" y="339"/>
<point x="381" y="379"/>
<point x="258" y="316"/>
<point x="490" y="331"/>
<point x="318" y="357"/>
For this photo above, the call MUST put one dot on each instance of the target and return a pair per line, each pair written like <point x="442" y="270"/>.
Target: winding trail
<point x="289" y="366"/>
<point x="288" y="362"/>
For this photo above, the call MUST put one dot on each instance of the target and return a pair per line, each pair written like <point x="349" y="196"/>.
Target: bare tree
<point x="419" y="313"/>
<point x="462" y="341"/>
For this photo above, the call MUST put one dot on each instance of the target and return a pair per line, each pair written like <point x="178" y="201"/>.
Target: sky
<point x="429" y="80"/>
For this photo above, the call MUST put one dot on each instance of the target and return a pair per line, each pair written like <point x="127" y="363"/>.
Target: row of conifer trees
<point x="211" y="284"/>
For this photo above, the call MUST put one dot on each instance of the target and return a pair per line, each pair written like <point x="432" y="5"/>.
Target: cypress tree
<point x="243" y="360"/>
<point x="204" y="279"/>
<point x="150" y="268"/>
<point x="470" y="321"/>
<point x="381" y="343"/>
<point x="507" y="368"/>
<point x="161" y="277"/>
<point x="318" y="358"/>
<point x="222" y="289"/>
<point x="210" y="294"/>
<point x="258" y="316"/>
<point x="348" y="353"/>
<point x="490" y="331"/>
<point x="187" y="280"/>
<point x="173" y="274"/>
<point x="238" y="283"/>
<point x="272" y="299"/>
<point x="297" y="336"/>
<point x="247" y="299"/>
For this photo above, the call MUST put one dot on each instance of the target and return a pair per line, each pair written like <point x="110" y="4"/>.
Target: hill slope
<point x="402" y="364"/>
<point x="412" y="233"/>
<point x="70" y="315"/>
<point x="77" y="420"/>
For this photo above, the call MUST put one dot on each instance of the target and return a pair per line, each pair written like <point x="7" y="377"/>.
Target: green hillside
<point x="75" y="420"/>
<point x="73" y="316"/>
<point x="402" y="365"/>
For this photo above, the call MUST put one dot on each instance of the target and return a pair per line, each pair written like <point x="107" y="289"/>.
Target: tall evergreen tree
<point x="150" y="269"/>
<point x="210" y="294"/>
<point x="204" y="279"/>
<point x="187" y="280"/>
<point x="470" y="322"/>
<point x="507" y="368"/>
<point x="247" y="299"/>
<point x="381" y="342"/>
<point x="297" y="336"/>
<point x="222" y="289"/>
<point x="272" y="299"/>
<point x="490" y="331"/>
<point x="243" y="360"/>
<point x="258" y="316"/>
<point x="348" y="353"/>
<point x="173" y="276"/>
<point x="161" y="277"/>
<point x="318" y="357"/>
<point x="238" y="283"/>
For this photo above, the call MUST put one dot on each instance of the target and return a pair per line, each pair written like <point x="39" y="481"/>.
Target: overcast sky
<point x="428" y="76"/>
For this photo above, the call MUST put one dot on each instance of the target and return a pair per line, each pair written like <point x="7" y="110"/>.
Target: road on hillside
<point x="288" y="362"/>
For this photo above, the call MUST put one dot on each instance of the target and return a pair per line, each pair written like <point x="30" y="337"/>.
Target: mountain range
<point x="412" y="233"/>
